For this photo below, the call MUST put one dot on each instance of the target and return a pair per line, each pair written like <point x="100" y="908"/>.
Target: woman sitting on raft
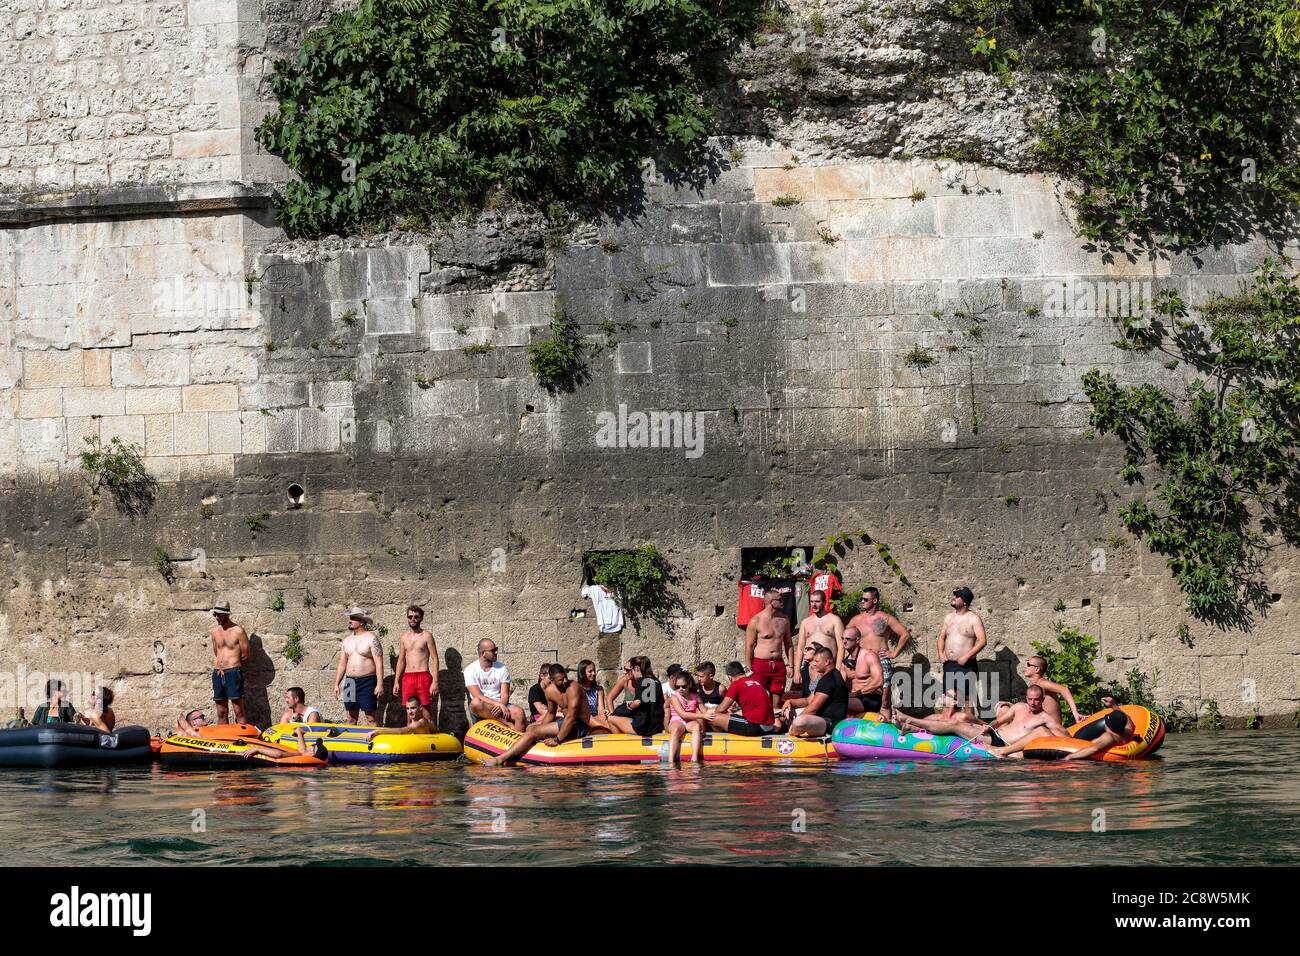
<point x="645" y="704"/>
<point x="100" y="712"/>
<point x="596" y="701"/>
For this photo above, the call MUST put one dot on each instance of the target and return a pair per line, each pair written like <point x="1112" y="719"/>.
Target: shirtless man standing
<point x="823" y="626"/>
<point x="416" y="674"/>
<point x="359" y="679"/>
<point x="961" y="638"/>
<point x="230" y="648"/>
<point x="562" y="696"/>
<point x="768" y="645"/>
<point x="876" y="628"/>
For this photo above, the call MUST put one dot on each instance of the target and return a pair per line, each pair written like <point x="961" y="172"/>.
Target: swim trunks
<point x="739" y="725"/>
<point x="359" y="693"/>
<point x="996" y="739"/>
<point x="770" y="672"/>
<point x="417" y="683"/>
<point x="963" y="679"/>
<point x="228" y="684"/>
<point x="869" y="702"/>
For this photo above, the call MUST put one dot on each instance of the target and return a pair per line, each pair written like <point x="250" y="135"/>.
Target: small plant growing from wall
<point x="1213" y="719"/>
<point x="118" y="469"/>
<point x="163" y="565"/>
<point x="257" y="522"/>
<point x="308" y="599"/>
<point x="919" y="358"/>
<point x="293" y="651"/>
<point x="277" y="603"/>
<point x="558" y="361"/>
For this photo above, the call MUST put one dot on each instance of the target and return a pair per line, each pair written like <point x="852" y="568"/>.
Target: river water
<point x="1226" y="798"/>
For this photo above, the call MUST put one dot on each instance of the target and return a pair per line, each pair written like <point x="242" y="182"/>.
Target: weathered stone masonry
<point x="172" y="314"/>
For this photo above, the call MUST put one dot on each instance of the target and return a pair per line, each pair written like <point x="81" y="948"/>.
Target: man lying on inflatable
<point x="1117" y="729"/>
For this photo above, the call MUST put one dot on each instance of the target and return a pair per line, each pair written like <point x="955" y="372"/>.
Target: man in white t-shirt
<point x="609" y="616"/>
<point x="488" y="683"/>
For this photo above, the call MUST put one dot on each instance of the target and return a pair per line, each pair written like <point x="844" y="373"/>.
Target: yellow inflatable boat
<point x="350" y="743"/>
<point x="488" y="738"/>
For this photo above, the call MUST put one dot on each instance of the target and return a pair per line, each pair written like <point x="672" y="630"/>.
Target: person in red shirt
<point x="750" y="695"/>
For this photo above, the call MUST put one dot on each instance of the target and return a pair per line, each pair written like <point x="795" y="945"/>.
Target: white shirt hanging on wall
<point x="609" y="616"/>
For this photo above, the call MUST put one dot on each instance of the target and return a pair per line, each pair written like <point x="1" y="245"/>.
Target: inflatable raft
<point x="1150" y="735"/>
<point x="348" y="743"/>
<point x="71" y="745"/>
<point x="875" y="740"/>
<point x="488" y="738"/>
<point x="213" y="732"/>
<point x="184" y="752"/>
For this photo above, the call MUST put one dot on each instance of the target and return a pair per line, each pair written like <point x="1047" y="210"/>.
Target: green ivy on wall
<point x="404" y="111"/>
<point x="1177" y="127"/>
<point x="1220" y="451"/>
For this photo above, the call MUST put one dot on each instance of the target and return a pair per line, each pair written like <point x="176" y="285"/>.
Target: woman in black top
<point x="646" y="706"/>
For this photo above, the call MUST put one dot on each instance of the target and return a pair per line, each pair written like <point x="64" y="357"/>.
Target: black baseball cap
<point x="966" y="594"/>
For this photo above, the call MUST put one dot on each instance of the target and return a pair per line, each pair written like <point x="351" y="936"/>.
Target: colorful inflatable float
<point x="1150" y="734"/>
<point x="71" y="745"/>
<point x="488" y="738"/>
<point x="225" y="747"/>
<point x="874" y="740"/>
<point x="351" y="743"/>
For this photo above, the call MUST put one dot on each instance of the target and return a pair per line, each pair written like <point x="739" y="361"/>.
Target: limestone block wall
<point x="105" y="93"/>
<point x="779" y="311"/>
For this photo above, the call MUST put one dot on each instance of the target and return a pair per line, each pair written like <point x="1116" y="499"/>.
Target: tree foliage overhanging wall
<point x="406" y="111"/>
<point x="1179" y="127"/>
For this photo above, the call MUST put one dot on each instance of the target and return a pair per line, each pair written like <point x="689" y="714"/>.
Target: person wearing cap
<point x="359" y="679"/>
<point x="961" y="638"/>
<point x="230" y="648"/>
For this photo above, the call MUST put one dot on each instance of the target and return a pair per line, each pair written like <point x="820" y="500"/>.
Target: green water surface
<point x="1228" y="798"/>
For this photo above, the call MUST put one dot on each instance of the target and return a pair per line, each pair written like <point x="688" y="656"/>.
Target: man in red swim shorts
<point x="768" y="644"/>
<point x="417" y="664"/>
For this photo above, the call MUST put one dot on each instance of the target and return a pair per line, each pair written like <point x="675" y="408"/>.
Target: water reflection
<point x="1215" y="798"/>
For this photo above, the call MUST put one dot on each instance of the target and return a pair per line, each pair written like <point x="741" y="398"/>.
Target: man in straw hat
<point x="359" y="679"/>
<point x="230" y="648"/>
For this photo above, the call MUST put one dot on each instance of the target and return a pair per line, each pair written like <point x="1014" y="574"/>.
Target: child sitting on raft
<point x="688" y="717"/>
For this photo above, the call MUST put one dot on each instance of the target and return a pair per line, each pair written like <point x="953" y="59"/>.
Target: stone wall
<point x="781" y="306"/>
<point x="145" y="294"/>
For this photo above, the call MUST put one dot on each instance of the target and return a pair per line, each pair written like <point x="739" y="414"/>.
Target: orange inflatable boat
<point x="1149" y="735"/>
<point x="226" y="746"/>
<point x="214" y="732"/>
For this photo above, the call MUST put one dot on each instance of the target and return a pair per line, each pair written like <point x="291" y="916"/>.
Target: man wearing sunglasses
<point x="768" y="644"/>
<point x="876" y="628"/>
<point x="488" y="683"/>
